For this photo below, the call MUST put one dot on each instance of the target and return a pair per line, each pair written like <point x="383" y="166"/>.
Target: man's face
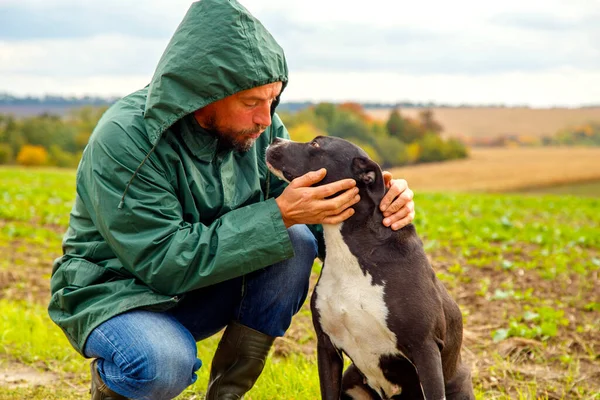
<point x="238" y="120"/>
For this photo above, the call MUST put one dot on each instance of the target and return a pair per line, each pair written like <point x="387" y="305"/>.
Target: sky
<point x="539" y="53"/>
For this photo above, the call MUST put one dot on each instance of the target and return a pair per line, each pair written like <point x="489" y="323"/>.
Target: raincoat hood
<point x="218" y="49"/>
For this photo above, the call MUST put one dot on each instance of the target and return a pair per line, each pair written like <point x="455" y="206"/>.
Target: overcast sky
<point x="540" y="53"/>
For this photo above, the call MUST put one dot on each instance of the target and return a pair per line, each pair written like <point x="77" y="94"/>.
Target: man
<point x="178" y="229"/>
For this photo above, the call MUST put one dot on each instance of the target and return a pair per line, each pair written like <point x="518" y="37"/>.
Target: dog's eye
<point x="314" y="143"/>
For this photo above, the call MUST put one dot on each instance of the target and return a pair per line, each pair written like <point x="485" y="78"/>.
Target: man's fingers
<point x="404" y="221"/>
<point x="309" y="179"/>
<point x="341" y="206"/>
<point x="402" y="213"/>
<point x="402" y="200"/>
<point x="389" y="197"/>
<point x="339" y="218"/>
<point x="350" y="197"/>
<point x="387" y="178"/>
<point x="335" y="187"/>
<point x="397" y="186"/>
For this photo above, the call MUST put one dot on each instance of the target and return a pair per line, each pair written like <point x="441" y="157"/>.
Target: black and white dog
<point x="378" y="299"/>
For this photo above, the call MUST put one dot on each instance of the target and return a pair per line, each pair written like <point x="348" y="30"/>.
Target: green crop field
<point x="524" y="270"/>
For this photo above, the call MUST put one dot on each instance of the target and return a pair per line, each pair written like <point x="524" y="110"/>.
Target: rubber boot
<point x="238" y="362"/>
<point x="99" y="389"/>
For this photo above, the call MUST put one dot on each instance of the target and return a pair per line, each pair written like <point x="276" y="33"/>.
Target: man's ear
<point x="365" y="171"/>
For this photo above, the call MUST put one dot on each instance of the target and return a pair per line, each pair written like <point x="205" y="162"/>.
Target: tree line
<point x="52" y="140"/>
<point x="46" y="139"/>
<point x="396" y="142"/>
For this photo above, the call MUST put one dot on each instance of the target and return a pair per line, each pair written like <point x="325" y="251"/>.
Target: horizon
<point x="46" y="99"/>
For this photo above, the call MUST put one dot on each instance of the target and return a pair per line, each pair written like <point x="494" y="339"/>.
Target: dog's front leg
<point x="331" y="364"/>
<point x="330" y="359"/>
<point x="428" y="362"/>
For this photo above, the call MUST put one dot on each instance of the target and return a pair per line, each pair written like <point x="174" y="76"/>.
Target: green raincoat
<point x="160" y="209"/>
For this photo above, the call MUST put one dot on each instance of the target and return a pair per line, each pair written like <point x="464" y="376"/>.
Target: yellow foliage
<point x="82" y="138"/>
<point x="529" y="139"/>
<point x="370" y="150"/>
<point x="32" y="156"/>
<point x="588" y="130"/>
<point x="305" y="132"/>
<point x="413" y="151"/>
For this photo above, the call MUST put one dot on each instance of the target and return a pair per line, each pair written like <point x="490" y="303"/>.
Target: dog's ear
<point x="366" y="171"/>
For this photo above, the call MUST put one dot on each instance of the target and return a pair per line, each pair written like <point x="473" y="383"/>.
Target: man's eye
<point x="251" y="104"/>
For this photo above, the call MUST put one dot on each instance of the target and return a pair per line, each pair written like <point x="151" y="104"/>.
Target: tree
<point x="307" y="115"/>
<point x="413" y="152"/>
<point x="403" y="129"/>
<point x="61" y="158"/>
<point x="356" y="109"/>
<point x="413" y="131"/>
<point x="395" y="124"/>
<point x="10" y="133"/>
<point x="325" y="111"/>
<point x="349" y="125"/>
<point x="46" y="130"/>
<point x="305" y="132"/>
<point x="368" y="148"/>
<point x="6" y="154"/>
<point x="378" y="130"/>
<point x="393" y="152"/>
<point x="455" y="149"/>
<point x="428" y="123"/>
<point x="83" y="121"/>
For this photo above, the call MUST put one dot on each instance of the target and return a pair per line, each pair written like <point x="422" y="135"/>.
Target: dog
<point x="378" y="299"/>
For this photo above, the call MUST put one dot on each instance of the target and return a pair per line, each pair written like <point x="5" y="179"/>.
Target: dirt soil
<point x="510" y="365"/>
<point x="15" y="375"/>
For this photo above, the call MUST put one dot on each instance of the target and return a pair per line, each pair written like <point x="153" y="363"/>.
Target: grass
<point x="524" y="270"/>
<point x="29" y="337"/>
<point x="591" y="189"/>
<point x="36" y="195"/>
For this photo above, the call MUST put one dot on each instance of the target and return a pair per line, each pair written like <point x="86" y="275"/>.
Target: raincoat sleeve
<point x="149" y="234"/>
<point x="278" y="185"/>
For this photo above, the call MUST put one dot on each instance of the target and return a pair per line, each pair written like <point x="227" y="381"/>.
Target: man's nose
<point x="262" y="116"/>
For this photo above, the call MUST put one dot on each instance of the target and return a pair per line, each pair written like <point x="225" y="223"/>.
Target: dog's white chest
<point x="353" y="311"/>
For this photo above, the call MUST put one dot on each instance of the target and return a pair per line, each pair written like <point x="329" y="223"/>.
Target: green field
<point x="591" y="189"/>
<point x="524" y="270"/>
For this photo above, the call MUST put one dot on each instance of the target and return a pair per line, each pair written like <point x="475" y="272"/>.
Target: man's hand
<point x="301" y="204"/>
<point x="397" y="205"/>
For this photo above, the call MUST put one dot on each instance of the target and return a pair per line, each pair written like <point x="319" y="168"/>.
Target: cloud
<point x="472" y="50"/>
<point x="550" y="22"/>
<point x="87" y="56"/>
<point x="417" y="38"/>
<point x="78" y="42"/>
<point x="27" y="20"/>
<point x="569" y="87"/>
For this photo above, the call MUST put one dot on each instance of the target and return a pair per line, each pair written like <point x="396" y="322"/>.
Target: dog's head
<point x="342" y="159"/>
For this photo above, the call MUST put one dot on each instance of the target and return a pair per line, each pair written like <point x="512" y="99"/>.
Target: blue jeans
<point x="150" y="355"/>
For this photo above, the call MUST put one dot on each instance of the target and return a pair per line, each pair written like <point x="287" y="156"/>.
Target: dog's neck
<point x="368" y="214"/>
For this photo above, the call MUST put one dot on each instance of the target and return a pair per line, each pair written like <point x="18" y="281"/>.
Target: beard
<point x="231" y="139"/>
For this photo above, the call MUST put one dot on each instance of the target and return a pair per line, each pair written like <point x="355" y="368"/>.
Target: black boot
<point x="238" y="362"/>
<point x="99" y="389"/>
